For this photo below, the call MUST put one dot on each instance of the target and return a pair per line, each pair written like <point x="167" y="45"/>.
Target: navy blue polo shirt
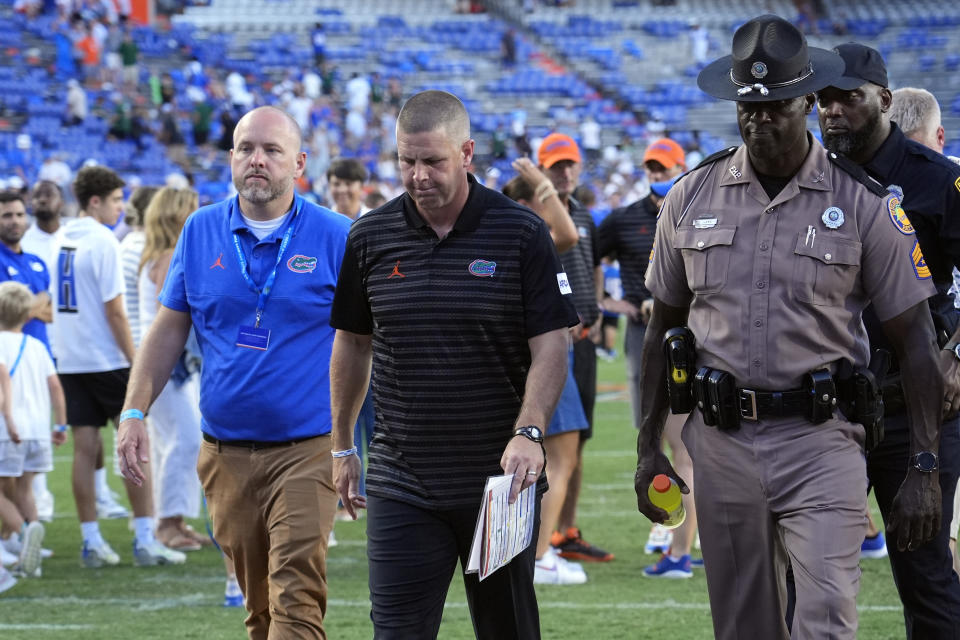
<point x="282" y="393"/>
<point x="30" y="270"/>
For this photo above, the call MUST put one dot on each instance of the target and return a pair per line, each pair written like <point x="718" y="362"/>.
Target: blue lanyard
<point x="264" y="294"/>
<point x="23" y="343"/>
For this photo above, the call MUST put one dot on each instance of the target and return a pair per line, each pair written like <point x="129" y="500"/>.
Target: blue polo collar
<point x="235" y="218"/>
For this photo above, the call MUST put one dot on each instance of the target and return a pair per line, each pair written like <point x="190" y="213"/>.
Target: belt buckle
<point x="748" y="396"/>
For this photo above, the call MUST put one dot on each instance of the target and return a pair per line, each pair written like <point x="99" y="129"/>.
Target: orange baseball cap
<point x="556" y="147"/>
<point x="666" y="152"/>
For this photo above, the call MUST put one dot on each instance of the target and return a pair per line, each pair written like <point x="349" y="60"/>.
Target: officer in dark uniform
<point x="855" y="121"/>
<point x="769" y="252"/>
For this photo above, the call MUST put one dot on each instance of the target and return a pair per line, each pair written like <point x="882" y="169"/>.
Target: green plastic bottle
<point x="665" y="493"/>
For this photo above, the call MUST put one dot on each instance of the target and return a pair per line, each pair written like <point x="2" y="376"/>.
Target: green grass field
<point x="185" y="601"/>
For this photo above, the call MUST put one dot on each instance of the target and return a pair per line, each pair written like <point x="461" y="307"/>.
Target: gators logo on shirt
<point x="899" y="217"/>
<point x="482" y="268"/>
<point x="302" y="264"/>
<point x="919" y="264"/>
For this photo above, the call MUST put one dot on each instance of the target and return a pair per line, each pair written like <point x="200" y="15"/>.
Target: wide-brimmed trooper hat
<point x="770" y="61"/>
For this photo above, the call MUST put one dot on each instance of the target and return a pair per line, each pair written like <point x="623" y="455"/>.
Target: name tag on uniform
<point x="253" y="338"/>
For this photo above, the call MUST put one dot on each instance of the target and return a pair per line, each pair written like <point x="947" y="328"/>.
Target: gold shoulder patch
<point x="957" y="184"/>
<point x="919" y="264"/>
<point x="898" y="216"/>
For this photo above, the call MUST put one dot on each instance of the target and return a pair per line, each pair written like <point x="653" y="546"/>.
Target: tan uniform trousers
<point x="770" y="491"/>
<point x="272" y="511"/>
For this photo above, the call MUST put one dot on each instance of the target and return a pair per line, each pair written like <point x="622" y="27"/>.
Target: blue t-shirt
<point x="282" y="393"/>
<point x="30" y="270"/>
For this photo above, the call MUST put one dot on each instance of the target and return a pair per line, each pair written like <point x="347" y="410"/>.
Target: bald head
<point x="270" y="116"/>
<point x="917" y="113"/>
<point x="431" y="110"/>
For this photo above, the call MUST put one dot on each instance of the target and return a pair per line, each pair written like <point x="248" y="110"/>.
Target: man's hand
<point x="133" y="447"/>
<point x="915" y="514"/>
<point x="950" y="368"/>
<point x="58" y="437"/>
<point x="524" y="460"/>
<point x="12" y="431"/>
<point x="346" y="478"/>
<point x="649" y="466"/>
<point x="623" y="307"/>
<point x="646" y="310"/>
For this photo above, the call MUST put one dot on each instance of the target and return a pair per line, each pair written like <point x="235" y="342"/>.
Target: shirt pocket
<point x="706" y="256"/>
<point x="825" y="270"/>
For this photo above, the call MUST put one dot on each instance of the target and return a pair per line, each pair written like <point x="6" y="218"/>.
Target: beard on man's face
<point x="852" y="142"/>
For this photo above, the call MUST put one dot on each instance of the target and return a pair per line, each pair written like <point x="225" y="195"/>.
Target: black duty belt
<point x="757" y="405"/>
<point x="254" y="445"/>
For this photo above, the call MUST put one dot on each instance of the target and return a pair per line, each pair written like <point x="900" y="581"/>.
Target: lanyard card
<point x="253" y="338"/>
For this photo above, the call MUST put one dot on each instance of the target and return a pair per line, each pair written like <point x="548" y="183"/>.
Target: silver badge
<point x="705" y="222"/>
<point x="735" y="172"/>
<point x="832" y="218"/>
<point x="758" y="70"/>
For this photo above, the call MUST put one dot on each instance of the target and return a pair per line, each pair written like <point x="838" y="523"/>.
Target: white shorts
<point x="31" y="456"/>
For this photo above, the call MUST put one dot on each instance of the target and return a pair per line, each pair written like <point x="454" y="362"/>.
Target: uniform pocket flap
<point x="829" y="251"/>
<point x="700" y="239"/>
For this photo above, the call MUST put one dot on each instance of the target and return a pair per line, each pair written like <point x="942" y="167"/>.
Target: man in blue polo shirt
<point x="17" y="265"/>
<point x="255" y="276"/>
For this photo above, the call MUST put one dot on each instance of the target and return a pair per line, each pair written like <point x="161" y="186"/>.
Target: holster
<point x="862" y="398"/>
<point x="722" y="394"/>
<point x="680" y="353"/>
<point x="823" y="395"/>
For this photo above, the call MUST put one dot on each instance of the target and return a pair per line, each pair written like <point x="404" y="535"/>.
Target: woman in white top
<point x="175" y="416"/>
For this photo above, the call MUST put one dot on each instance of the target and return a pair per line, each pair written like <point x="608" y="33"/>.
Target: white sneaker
<point x="109" y="509"/>
<point x="31" y="546"/>
<point x="7" y="558"/>
<point x="6" y="580"/>
<point x="552" y="569"/>
<point x="44" y="503"/>
<point x="93" y="557"/>
<point x="154" y="553"/>
<point x="659" y="540"/>
<point x="332" y="540"/>
<point x="46" y="553"/>
<point x="12" y="544"/>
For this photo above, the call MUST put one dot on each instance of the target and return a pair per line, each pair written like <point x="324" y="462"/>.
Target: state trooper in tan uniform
<point x="769" y="253"/>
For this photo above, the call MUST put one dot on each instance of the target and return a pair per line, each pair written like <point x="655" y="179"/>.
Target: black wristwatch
<point x="925" y="462"/>
<point x="956" y="350"/>
<point x="530" y="432"/>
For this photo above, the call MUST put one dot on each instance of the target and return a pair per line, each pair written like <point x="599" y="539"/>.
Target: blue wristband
<point x="59" y="428"/>
<point x="130" y="414"/>
<point x="352" y="451"/>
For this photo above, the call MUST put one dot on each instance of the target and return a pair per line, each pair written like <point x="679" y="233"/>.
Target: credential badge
<point x="707" y="221"/>
<point x="832" y="218"/>
<point x="758" y="70"/>
<point x="735" y="172"/>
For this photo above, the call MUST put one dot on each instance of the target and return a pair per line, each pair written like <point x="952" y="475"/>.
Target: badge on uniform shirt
<point x="735" y="172"/>
<point x="832" y="218"/>
<point x="253" y="338"/>
<point x="650" y="261"/>
<point x="919" y="264"/>
<point x="896" y="190"/>
<point x="705" y="221"/>
<point x="899" y="217"/>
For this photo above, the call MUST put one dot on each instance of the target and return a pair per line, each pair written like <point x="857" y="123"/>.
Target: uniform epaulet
<point x="713" y="157"/>
<point x="710" y="159"/>
<point x="857" y="172"/>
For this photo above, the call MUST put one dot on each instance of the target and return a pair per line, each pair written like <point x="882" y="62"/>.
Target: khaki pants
<point x="272" y="511"/>
<point x="775" y="490"/>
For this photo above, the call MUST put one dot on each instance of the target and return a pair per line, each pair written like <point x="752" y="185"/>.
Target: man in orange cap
<point x="559" y="157"/>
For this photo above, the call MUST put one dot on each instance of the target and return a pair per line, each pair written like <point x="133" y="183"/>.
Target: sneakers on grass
<point x="659" y="540"/>
<point x="875" y="547"/>
<point x="94" y="556"/>
<point x="667" y="567"/>
<point x="552" y="569"/>
<point x="154" y="553"/>
<point x="572" y="546"/>
<point x="31" y="546"/>
<point x="7" y="580"/>
<point x="109" y="509"/>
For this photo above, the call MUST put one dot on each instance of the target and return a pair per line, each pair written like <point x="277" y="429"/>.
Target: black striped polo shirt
<point x="627" y="235"/>
<point x="580" y="261"/>
<point x="450" y="321"/>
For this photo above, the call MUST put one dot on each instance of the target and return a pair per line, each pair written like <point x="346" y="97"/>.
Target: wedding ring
<point x="533" y="473"/>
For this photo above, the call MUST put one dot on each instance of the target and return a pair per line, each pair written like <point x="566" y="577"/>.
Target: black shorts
<point x="94" y="398"/>
<point x="611" y="321"/>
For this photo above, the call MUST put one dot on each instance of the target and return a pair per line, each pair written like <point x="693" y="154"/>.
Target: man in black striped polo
<point x="457" y="294"/>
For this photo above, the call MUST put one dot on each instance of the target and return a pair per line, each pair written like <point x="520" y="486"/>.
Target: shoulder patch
<point x="920" y="267"/>
<point x="898" y="216"/>
<point x="858" y="173"/>
<point x="957" y="184"/>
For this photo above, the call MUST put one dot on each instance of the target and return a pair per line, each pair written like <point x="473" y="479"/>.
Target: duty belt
<point x="756" y="405"/>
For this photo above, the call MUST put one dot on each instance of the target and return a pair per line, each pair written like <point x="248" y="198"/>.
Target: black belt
<point x="255" y="445"/>
<point x="756" y="405"/>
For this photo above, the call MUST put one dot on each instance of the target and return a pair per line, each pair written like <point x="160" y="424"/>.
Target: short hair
<point x="430" y="110"/>
<point x="9" y="195"/>
<point x="347" y="169"/>
<point x="584" y="195"/>
<point x="374" y="199"/>
<point x="518" y="189"/>
<point x="915" y="111"/>
<point x="15" y="303"/>
<point x="48" y="183"/>
<point x="95" y="181"/>
<point x="138" y="203"/>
